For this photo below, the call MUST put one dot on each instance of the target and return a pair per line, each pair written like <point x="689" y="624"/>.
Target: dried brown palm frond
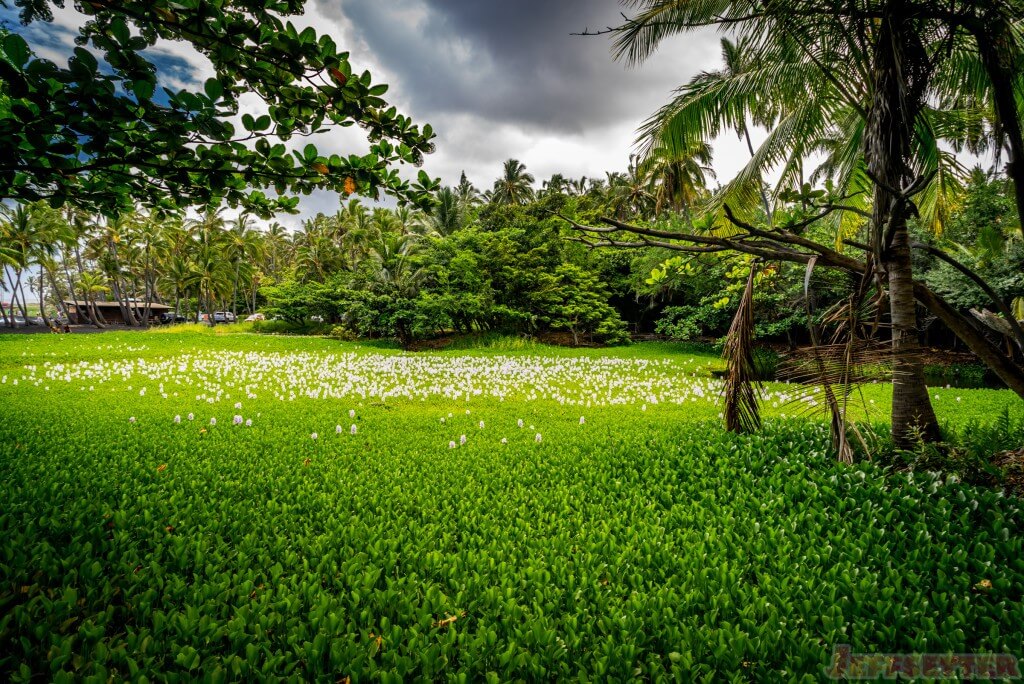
<point x="742" y="392"/>
<point x="832" y="373"/>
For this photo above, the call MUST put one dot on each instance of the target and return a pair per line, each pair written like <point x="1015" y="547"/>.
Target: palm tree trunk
<point x="897" y="100"/>
<point x="90" y="310"/>
<point x="14" y="295"/>
<point x="3" y="288"/>
<point x="234" y="291"/>
<point x="42" y="297"/>
<point x="97" y="317"/>
<point x="61" y="306"/>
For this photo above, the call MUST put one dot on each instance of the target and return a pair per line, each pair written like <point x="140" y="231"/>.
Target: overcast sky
<point x="495" y="79"/>
<point x="508" y="79"/>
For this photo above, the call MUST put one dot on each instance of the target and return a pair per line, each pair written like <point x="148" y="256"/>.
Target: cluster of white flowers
<point x="214" y="377"/>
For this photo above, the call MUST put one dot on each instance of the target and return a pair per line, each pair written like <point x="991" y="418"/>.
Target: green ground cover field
<point x="197" y="504"/>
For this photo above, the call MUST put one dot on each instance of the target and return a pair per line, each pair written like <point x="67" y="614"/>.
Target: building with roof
<point x="111" y="311"/>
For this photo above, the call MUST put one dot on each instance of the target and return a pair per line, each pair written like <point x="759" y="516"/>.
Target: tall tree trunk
<point x="14" y="295"/>
<point x="97" y="317"/>
<point x="4" y="277"/>
<point x="91" y="312"/>
<point x="61" y="306"/>
<point x="234" y="290"/>
<point x="120" y="292"/>
<point x="900" y="74"/>
<point x="42" y="297"/>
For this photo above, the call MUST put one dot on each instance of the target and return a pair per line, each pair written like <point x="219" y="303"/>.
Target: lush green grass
<point x="645" y="542"/>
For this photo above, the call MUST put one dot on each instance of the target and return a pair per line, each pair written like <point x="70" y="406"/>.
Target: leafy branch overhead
<point x="104" y="133"/>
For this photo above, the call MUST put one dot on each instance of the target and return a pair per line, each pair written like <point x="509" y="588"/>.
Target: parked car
<point x="255" y="317"/>
<point x="224" y="317"/>
<point x="18" y="320"/>
<point x="167" y="318"/>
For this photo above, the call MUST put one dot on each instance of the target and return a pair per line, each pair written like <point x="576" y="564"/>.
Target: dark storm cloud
<point x="508" y="62"/>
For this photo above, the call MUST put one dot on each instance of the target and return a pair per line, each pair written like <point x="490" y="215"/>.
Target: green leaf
<point x="143" y="89"/>
<point x="213" y="88"/>
<point x="16" y="49"/>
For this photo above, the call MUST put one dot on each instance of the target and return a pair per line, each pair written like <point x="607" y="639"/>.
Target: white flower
<point x="958" y="398"/>
<point x="644" y="407"/>
<point x="313" y="436"/>
<point x="481" y="425"/>
<point x="353" y="429"/>
<point x="504" y="441"/>
<point x="132" y="419"/>
<point x="462" y="439"/>
<point x="248" y="422"/>
<point x="191" y="416"/>
<point x="582" y="420"/>
<point x="238" y="404"/>
<point x="442" y="420"/>
<point x="351" y="413"/>
<point x="519" y="422"/>
<point x="451" y="445"/>
<point x="338" y="430"/>
<point x="237" y="420"/>
<point x="537" y="438"/>
<point x="177" y="419"/>
<point x="467" y="412"/>
<point x="213" y="421"/>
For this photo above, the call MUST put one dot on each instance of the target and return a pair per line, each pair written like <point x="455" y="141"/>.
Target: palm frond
<point x="742" y="392"/>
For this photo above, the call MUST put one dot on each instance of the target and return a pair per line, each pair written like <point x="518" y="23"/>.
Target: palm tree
<point x="447" y="215"/>
<point x="213" y="278"/>
<point x="827" y="66"/>
<point x="180" y="275"/>
<point x="467" y="193"/>
<point x="245" y="247"/>
<point x="514" y="186"/>
<point x="556" y="185"/>
<point x="25" y="238"/>
<point x="92" y="284"/>
<point x="677" y="176"/>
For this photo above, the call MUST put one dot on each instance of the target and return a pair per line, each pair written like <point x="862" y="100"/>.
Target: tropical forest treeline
<point x="501" y="260"/>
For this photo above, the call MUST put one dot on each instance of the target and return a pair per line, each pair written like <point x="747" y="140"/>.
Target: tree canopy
<point x="107" y="134"/>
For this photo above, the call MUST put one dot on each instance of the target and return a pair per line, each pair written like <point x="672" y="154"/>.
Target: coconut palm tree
<point x="93" y="283"/>
<point x="557" y="184"/>
<point x="677" y="176"/>
<point x="25" y="238"/>
<point x="514" y="186"/>
<point x="467" y="193"/>
<point x="245" y="247"/>
<point x="829" y="67"/>
<point x="447" y="215"/>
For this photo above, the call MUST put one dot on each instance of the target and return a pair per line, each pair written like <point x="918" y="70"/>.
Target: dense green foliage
<point x="642" y="543"/>
<point x="985" y="234"/>
<point x="105" y="133"/>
